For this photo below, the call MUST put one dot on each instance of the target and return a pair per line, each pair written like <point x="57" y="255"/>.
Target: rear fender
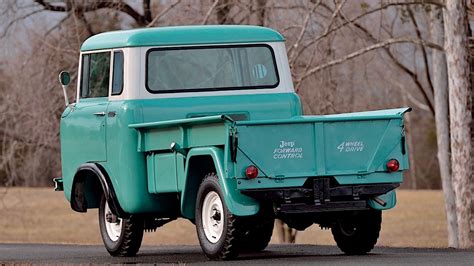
<point x="237" y="203"/>
<point x="89" y="182"/>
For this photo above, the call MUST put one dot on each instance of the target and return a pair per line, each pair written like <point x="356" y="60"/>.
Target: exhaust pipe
<point x="380" y="201"/>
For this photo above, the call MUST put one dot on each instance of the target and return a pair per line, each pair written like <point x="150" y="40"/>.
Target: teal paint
<point x="318" y="146"/>
<point x="78" y="126"/>
<point x="133" y="146"/>
<point x="274" y="118"/>
<point x="182" y="35"/>
<point x="354" y="151"/>
<point x="236" y="202"/>
<point x="166" y="179"/>
<point x="126" y="166"/>
<point x="390" y="199"/>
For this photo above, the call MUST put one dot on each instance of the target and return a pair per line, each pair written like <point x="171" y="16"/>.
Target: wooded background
<point x="344" y="56"/>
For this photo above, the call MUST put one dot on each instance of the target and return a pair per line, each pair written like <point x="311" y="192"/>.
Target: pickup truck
<point x="202" y="123"/>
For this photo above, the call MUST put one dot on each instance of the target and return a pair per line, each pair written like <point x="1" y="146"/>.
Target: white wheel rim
<point x="212" y="217"/>
<point x="114" y="229"/>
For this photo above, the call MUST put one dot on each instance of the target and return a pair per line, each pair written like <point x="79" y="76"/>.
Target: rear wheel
<point x="358" y="234"/>
<point x="121" y="237"/>
<point x="218" y="230"/>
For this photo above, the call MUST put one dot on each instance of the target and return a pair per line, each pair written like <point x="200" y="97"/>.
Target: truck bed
<point x="352" y="147"/>
<point x="330" y="145"/>
<point x="341" y="155"/>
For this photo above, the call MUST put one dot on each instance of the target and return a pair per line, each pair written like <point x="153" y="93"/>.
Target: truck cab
<point x="202" y="123"/>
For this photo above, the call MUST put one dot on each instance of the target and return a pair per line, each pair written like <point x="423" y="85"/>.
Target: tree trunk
<point x="440" y="86"/>
<point x="456" y="31"/>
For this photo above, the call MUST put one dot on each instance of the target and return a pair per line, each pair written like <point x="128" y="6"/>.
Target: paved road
<point x="275" y="254"/>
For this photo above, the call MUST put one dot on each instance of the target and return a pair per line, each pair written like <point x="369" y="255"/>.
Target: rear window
<point x="211" y="68"/>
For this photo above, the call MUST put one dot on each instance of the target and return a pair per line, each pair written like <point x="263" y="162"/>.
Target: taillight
<point x="393" y="165"/>
<point x="251" y="172"/>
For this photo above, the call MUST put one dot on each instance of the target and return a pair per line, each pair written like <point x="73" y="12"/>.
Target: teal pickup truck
<point x="202" y="123"/>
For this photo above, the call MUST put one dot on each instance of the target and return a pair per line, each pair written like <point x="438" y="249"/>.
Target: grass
<point x="40" y="215"/>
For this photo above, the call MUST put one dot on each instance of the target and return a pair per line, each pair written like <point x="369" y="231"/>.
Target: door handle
<point x="100" y="114"/>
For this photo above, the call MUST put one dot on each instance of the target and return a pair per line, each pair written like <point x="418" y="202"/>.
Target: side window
<point x="95" y="75"/>
<point x="117" y="75"/>
<point x="85" y="76"/>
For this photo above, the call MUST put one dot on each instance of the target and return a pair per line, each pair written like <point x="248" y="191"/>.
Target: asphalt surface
<point x="274" y="254"/>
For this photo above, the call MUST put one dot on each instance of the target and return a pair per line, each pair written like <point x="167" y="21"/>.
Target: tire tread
<point x="366" y="236"/>
<point x="131" y="239"/>
<point x="231" y="246"/>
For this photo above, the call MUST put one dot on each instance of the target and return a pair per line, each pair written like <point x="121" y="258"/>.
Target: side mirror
<point x="64" y="79"/>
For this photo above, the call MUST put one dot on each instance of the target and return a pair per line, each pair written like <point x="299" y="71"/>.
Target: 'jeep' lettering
<point x="287" y="150"/>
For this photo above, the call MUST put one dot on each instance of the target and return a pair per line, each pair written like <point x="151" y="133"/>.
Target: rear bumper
<point x="321" y="195"/>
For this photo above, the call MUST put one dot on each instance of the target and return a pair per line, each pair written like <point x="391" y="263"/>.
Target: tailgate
<point x="343" y="144"/>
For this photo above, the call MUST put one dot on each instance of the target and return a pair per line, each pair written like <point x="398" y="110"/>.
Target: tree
<point x="31" y="157"/>
<point x="440" y="87"/>
<point x="335" y="48"/>
<point x="456" y="45"/>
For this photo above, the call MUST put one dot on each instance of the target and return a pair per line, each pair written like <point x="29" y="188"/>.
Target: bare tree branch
<point x="23" y="139"/>
<point x="304" y="27"/>
<point x="88" y="26"/>
<point x="371" y="11"/>
<point x="56" y="26"/>
<point x="223" y="11"/>
<point x="409" y="96"/>
<point x="162" y="13"/>
<point x="261" y="11"/>
<point x="333" y="16"/>
<point x="209" y="12"/>
<point x="399" y="64"/>
<point x="13" y="21"/>
<point x="147" y="10"/>
<point x="423" y="49"/>
<point x="362" y="51"/>
<point x="48" y="6"/>
<point x="120" y="6"/>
